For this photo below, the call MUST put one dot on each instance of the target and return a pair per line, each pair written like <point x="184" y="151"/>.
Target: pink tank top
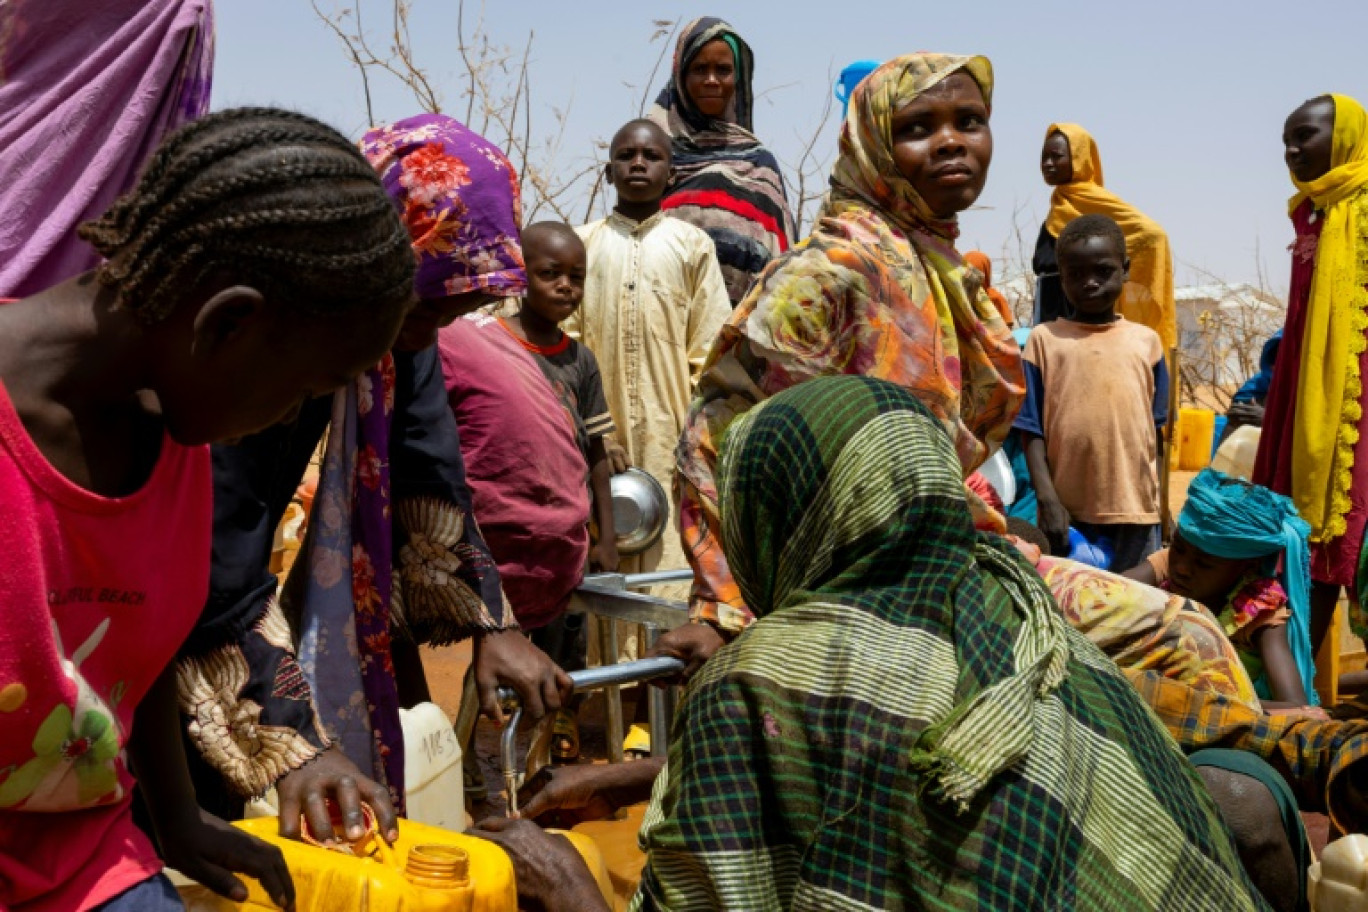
<point x="98" y="594"/>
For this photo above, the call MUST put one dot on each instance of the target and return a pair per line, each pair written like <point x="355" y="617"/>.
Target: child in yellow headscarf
<point x="1314" y="446"/>
<point x="1070" y="163"/>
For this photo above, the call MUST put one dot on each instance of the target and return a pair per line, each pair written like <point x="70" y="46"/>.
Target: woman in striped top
<point x="727" y="182"/>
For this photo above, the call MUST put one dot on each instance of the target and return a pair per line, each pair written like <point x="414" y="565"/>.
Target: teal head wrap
<point x="736" y="51"/>
<point x="1233" y="519"/>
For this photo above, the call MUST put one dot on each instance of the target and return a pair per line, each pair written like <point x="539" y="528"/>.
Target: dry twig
<point x="810" y="171"/>
<point x="498" y="99"/>
<point x="1221" y="345"/>
<point x="664" y="28"/>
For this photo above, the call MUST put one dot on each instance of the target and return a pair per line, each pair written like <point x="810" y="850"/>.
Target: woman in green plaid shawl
<point x="910" y="723"/>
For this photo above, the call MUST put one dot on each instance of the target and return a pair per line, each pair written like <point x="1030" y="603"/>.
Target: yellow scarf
<point x="1148" y="296"/>
<point x="1329" y="386"/>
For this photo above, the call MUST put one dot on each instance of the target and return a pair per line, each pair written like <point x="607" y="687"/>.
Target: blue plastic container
<point x="850" y="77"/>
<point x="1216" y="437"/>
<point x="1095" y="554"/>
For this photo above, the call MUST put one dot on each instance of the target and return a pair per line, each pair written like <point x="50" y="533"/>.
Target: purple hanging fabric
<point x="344" y="646"/>
<point x="87" y="92"/>
<point x="372" y="563"/>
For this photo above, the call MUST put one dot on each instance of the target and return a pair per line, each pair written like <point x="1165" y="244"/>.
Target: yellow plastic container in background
<point x="1196" y="432"/>
<point x="327" y="880"/>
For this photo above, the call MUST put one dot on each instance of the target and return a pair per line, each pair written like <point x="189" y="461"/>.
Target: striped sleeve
<point x="593" y="405"/>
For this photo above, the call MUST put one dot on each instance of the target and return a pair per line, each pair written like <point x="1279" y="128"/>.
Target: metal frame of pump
<point x="609" y="597"/>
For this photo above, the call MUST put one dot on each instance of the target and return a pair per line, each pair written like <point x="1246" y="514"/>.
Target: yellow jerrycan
<point x="428" y="869"/>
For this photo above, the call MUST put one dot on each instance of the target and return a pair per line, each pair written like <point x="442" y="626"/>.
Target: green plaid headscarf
<point x="909" y="723"/>
<point x="850" y="493"/>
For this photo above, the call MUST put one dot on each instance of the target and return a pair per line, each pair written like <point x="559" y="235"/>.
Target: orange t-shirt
<point x="1096" y="393"/>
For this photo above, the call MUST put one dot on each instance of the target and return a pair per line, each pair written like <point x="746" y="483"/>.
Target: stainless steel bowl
<point x="640" y="511"/>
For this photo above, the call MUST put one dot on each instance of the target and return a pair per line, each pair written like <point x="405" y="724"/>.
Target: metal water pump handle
<point x="588" y="679"/>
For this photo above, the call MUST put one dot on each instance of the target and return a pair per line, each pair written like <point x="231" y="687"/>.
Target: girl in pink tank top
<point x="257" y="262"/>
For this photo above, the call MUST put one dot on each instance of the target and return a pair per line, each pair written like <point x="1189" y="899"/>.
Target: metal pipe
<point x="626" y="673"/>
<point x="609" y="675"/>
<point x="643" y="580"/>
<point x="636" y="580"/>
<point x="605" y="597"/>
<point x="588" y="679"/>
<point x="508" y="755"/>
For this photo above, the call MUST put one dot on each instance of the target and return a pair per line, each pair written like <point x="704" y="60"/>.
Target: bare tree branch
<point x="497" y="87"/>
<point x="358" y="47"/>
<point x="465" y="59"/>
<point x="1222" y="346"/>
<point x="403" y="49"/>
<point x="1016" y="277"/>
<point x="779" y="88"/>
<point x="519" y="89"/>
<point x="352" y="51"/>
<point x="809" y="169"/>
<point x="594" y="192"/>
<point x="664" y="28"/>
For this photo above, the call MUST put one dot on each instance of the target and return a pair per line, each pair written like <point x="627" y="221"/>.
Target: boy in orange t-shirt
<point x="1097" y="402"/>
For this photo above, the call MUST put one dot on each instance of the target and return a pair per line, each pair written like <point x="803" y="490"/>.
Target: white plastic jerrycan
<point x="1236" y="455"/>
<point x="434" y="786"/>
<point x="1339" y="881"/>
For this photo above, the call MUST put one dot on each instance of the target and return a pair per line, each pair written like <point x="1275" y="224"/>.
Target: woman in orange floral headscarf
<point x="878" y="290"/>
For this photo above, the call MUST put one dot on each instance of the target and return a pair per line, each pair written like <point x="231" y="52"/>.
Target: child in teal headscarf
<point x="1241" y="551"/>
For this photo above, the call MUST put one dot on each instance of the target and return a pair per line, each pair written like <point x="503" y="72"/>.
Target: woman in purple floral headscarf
<point x="460" y="199"/>
<point x="394" y="557"/>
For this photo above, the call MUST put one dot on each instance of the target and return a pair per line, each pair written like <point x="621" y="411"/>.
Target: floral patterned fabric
<point x="442" y="584"/>
<point x="348" y="602"/>
<point x="1259" y="601"/>
<point x="877" y="290"/>
<point x="439" y="172"/>
<point x="1256" y="601"/>
<point x="1176" y="655"/>
<point x="349" y="611"/>
<point x="225" y="706"/>
<point x="1145" y="629"/>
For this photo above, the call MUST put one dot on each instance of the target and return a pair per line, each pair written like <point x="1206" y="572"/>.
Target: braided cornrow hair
<point x="264" y="197"/>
